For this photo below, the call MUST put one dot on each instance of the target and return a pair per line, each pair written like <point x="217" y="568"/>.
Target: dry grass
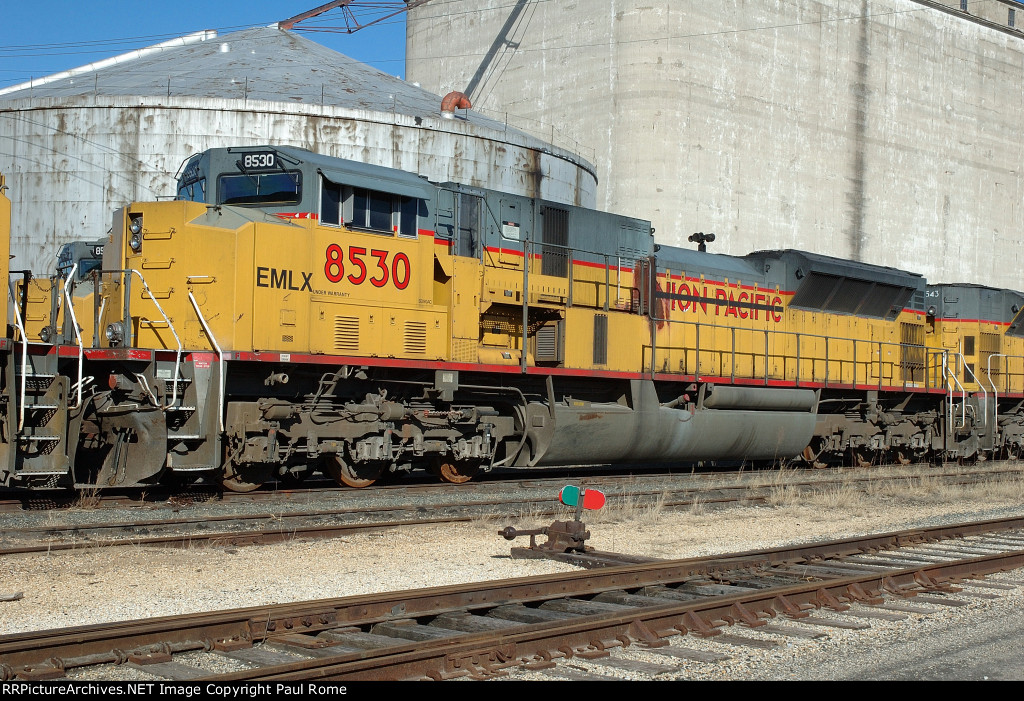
<point x="894" y="485"/>
<point x="848" y="494"/>
<point x="88" y="500"/>
<point x="531" y="517"/>
<point x="629" y="507"/>
<point x="837" y="496"/>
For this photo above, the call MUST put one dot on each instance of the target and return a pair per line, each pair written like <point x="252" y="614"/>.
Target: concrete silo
<point x="885" y="131"/>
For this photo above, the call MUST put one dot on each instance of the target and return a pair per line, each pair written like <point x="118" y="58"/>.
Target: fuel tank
<point x="726" y="424"/>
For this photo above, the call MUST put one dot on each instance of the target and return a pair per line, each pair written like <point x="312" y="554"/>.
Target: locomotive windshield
<point x="194" y="191"/>
<point x="260" y="188"/>
<point x="88" y="256"/>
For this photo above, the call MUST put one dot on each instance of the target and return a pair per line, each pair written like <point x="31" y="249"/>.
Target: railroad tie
<point x="409" y="630"/>
<point x="358" y="639"/>
<point x="468" y="623"/>
<point x="576" y="674"/>
<point x="175" y="671"/>
<point x="792" y="631"/>
<point x="581" y="607"/>
<point x="876" y="615"/>
<point x="742" y="641"/>
<point x="903" y="608"/>
<point x="688" y="653"/>
<point x="317" y="653"/>
<point x="525" y="614"/>
<point x="639" y="666"/>
<point x="940" y="601"/>
<point x="835" y="623"/>
<point x="261" y="656"/>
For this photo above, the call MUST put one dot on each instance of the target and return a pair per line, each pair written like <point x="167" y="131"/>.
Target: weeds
<point x="88" y="499"/>
<point x="836" y="496"/>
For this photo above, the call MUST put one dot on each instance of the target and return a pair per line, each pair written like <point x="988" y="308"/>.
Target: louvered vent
<point x="600" y="339"/>
<point x="912" y="352"/>
<point x="548" y="350"/>
<point x="346" y="333"/>
<point x="416" y="337"/>
<point x="991" y="345"/>
<point x="547" y="344"/>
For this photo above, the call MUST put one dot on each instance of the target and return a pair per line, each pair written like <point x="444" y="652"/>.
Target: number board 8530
<point x="359" y="265"/>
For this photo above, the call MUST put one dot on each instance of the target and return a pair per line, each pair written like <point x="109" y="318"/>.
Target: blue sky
<point x="38" y="40"/>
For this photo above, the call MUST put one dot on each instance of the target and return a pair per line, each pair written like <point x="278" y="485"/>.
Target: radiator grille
<point x="416" y="337"/>
<point x="346" y="333"/>
<point x="464" y="350"/>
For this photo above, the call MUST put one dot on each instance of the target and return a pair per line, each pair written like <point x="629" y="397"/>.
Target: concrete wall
<point x="71" y="161"/>
<point x="887" y="131"/>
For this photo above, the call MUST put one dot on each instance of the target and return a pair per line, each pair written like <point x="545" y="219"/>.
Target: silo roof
<point x="259" y="64"/>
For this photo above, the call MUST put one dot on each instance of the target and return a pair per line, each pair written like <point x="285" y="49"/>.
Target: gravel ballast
<point x="97" y="585"/>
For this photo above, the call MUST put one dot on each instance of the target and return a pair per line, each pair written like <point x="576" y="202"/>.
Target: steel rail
<point x="482" y="654"/>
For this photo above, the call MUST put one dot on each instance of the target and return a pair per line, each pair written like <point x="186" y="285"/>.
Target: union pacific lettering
<point x="717" y="300"/>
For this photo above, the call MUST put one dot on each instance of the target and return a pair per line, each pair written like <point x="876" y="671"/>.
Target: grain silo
<point x="78" y="144"/>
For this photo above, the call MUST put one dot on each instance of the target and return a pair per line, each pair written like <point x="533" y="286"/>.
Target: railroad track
<point x="534" y="497"/>
<point x="15" y="501"/>
<point x="541" y="623"/>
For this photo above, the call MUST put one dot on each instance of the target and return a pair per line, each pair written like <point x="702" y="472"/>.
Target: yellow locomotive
<point x="292" y="313"/>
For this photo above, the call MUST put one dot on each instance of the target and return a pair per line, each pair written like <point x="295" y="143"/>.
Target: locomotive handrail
<point x="68" y="283"/>
<point x="24" y="359"/>
<point x="570" y="260"/>
<point x="963" y="392"/>
<point x="969" y="375"/>
<point x="96" y="325"/>
<point x="995" y="392"/>
<point x="127" y="325"/>
<point x="177" y="357"/>
<point x="829" y="342"/>
<point x="995" y="389"/>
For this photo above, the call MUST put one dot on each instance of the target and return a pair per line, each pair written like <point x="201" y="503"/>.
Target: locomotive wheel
<point x="861" y="457"/>
<point x="454" y="471"/>
<point x="812" y="457"/>
<point x="347" y="474"/>
<point x="245" y="478"/>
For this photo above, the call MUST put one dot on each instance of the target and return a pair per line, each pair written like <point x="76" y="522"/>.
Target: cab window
<point x="368" y="210"/>
<point x="260" y="188"/>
